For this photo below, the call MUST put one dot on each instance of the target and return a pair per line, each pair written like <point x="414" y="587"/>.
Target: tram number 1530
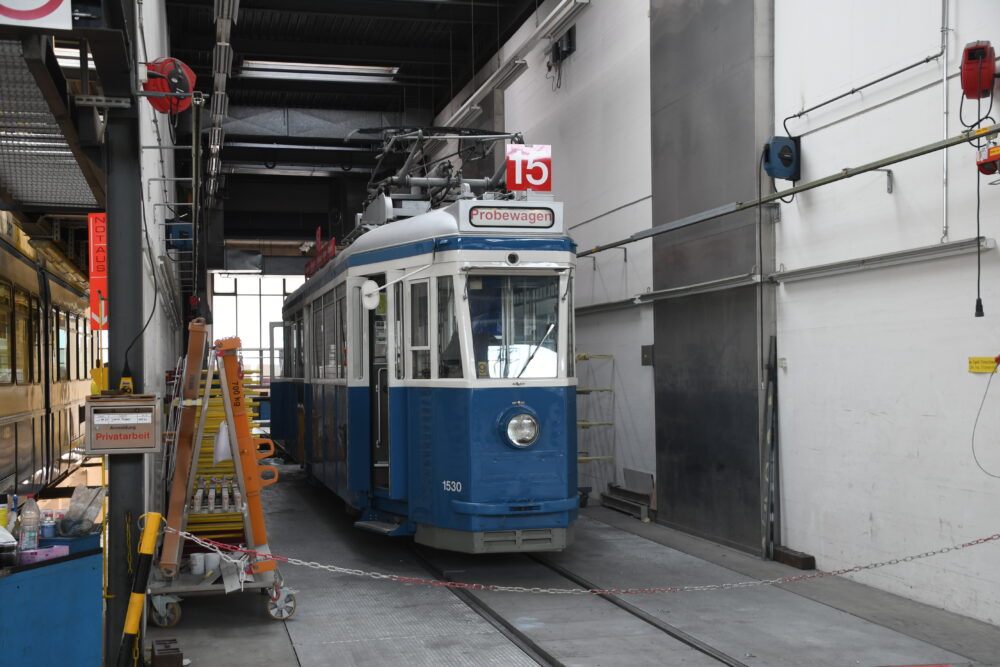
<point x="449" y="485"/>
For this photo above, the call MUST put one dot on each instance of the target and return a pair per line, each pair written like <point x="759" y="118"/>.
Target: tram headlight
<point x="522" y="429"/>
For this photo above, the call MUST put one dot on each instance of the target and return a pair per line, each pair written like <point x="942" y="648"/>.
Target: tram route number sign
<point x="123" y="424"/>
<point x="529" y="167"/>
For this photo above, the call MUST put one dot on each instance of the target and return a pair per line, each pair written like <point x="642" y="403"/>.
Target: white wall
<point x="598" y="125"/>
<point x="877" y="406"/>
<point x="161" y="342"/>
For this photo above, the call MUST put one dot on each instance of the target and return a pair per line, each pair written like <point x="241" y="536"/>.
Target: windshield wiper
<point x="552" y="325"/>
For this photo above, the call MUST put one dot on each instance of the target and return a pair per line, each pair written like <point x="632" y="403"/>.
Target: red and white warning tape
<point x="224" y="550"/>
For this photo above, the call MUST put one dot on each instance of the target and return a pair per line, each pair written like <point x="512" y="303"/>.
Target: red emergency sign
<point x="97" y="228"/>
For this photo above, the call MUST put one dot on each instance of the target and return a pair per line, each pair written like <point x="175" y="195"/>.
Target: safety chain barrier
<point x="220" y="547"/>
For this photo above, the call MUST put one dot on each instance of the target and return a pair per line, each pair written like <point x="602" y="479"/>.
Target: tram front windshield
<point x="515" y="325"/>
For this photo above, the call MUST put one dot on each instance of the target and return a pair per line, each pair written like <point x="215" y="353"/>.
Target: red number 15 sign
<point x="529" y="167"/>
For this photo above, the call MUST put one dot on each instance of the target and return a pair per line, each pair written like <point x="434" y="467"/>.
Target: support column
<point x="125" y="280"/>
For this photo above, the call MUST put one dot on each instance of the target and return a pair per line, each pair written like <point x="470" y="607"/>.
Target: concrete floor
<point x="346" y="620"/>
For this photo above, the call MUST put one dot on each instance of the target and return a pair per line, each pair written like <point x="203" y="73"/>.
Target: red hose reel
<point x="169" y="75"/>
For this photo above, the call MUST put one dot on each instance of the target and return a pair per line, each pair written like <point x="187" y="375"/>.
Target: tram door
<point x="378" y="383"/>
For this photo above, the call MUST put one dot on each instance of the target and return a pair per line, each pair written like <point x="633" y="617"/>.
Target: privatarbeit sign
<point x="55" y="14"/>
<point x="123" y="424"/>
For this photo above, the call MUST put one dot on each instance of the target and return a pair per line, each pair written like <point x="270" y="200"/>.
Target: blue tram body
<point x="446" y="409"/>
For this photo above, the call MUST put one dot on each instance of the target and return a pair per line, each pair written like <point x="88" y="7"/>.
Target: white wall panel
<point x="877" y="406"/>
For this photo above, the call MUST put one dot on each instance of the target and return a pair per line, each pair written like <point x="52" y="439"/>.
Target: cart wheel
<point x="281" y="609"/>
<point x="171" y="619"/>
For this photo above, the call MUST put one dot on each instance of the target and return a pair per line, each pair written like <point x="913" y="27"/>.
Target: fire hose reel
<point x="169" y="75"/>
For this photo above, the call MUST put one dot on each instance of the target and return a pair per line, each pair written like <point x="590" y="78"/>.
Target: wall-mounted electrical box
<point x="562" y="48"/>
<point x="782" y="158"/>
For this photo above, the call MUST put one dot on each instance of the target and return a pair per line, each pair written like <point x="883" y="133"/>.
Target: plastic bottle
<point x="31" y="521"/>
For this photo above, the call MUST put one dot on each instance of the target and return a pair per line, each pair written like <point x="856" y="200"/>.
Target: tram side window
<point x="36" y="341"/>
<point x="420" y="330"/>
<point x="361" y="316"/>
<point x="289" y="351"/>
<point x="570" y="330"/>
<point x="449" y="349"/>
<point x="62" y="343"/>
<point x="22" y="338"/>
<point x="71" y="348"/>
<point x="81" y="349"/>
<point x="330" y="336"/>
<point x="319" y="350"/>
<point x="341" y="304"/>
<point x="397" y="323"/>
<point x="6" y="329"/>
<point x="299" y="358"/>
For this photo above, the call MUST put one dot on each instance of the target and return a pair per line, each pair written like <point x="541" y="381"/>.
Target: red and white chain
<point x="241" y="561"/>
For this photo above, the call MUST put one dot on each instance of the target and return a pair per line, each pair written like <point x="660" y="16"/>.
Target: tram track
<point x="533" y="648"/>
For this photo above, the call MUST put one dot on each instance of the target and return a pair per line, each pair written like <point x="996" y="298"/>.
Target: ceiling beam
<point x="383" y="10"/>
<point x="41" y="62"/>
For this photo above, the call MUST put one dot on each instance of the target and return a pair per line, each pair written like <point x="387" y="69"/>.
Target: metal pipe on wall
<point x="944" y="135"/>
<point x="726" y="209"/>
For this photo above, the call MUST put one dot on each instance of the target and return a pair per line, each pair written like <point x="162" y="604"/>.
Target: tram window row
<point x="21" y="345"/>
<point x="25" y="465"/>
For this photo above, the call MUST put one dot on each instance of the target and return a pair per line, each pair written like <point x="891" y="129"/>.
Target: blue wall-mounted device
<point x="782" y="158"/>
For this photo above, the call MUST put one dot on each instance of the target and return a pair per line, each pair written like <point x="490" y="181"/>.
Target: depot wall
<point x="161" y="342"/>
<point x="877" y="406"/>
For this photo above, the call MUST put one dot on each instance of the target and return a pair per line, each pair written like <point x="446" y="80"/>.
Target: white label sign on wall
<point x="56" y="14"/>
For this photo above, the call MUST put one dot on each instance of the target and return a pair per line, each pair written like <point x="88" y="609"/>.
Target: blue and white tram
<point x="430" y="377"/>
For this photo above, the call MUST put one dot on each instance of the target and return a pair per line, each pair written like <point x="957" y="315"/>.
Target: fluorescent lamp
<point x="561" y="18"/>
<point x="222" y="58"/>
<point x="215" y="136"/>
<point x="228" y="10"/>
<point x="219" y="105"/>
<point x="499" y="80"/>
<point x="296" y="71"/>
<point x="296" y="170"/>
<point x="466" y="115"/>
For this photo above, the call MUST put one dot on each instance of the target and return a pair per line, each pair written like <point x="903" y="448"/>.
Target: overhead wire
<point x="975" y="424"/>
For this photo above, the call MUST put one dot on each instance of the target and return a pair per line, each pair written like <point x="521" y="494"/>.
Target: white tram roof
<point x="466" y="217"/>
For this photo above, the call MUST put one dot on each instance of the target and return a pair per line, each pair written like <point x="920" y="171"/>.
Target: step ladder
<point x="221" y="500"/>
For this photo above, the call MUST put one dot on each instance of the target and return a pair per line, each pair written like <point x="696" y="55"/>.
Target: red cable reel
<point x="979" y="67"/>
<point x="169" y="75"/>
